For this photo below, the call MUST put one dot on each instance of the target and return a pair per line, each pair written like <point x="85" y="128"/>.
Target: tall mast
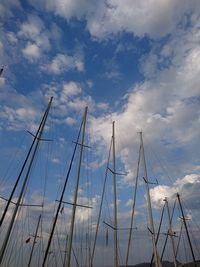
<point x="133" y="209"/>
<point x="152" y="229"/>
<point x="24" y="164"/>
<point x="115" y="199"/>
<point x="10" y="227"/>
<point x="68" y="263"/>
<point x="100" y="209"/>
<point x="34" y="241"/>
<point x="61" y="200"/>
<point x="170" y="232"/>
<point x="186" y="229"/>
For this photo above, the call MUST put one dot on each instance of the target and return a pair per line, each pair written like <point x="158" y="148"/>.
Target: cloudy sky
<point x="135" y="62"/>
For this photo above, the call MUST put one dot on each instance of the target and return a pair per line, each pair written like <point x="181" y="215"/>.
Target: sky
<point x="133" y="62"/>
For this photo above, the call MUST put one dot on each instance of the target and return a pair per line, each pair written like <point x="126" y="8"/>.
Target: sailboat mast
<point x="157" y="260"/>
<point x="101" y="205"/>
<point x="61" y="200"/>
<point x="133" y="209"/>
<point x="170" y="232"/>
<point x="23" y="166"/>
<point x="34" y="241"/>
<point x="68" y="264"/>
<point x="186" y="229"/>
<point x="115" y="199"/>
<point x="10" y="227"/>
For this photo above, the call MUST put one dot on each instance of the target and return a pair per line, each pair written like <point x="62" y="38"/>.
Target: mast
<point x="10" y="227"/>
<point x="170" y="232"/>
<point x="68" y="263"/>
<point x="115" y="199"/>
<point x="24" y="164"/>
<point x="34" y="241"/>
<point x="61" y="201"/>
<point x="186" y="229"/>
<point x="152" y="229"/>
<point x="165" y="243"/>
<point x="158" y="234"/>
<point x="133" y="209"/>
<point x="101" y="204"/>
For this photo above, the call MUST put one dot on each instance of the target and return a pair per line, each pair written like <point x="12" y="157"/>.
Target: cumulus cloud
<point x="31" y="51"/>
<point x="34" y="33"/>
<point x="165" y="106"/>
<point x="62" y="63"/>
<point x="70" y="121"/>
<point x="7" y="7"/>
<point x="188" y="188"/>
<point x="111" y="17"/>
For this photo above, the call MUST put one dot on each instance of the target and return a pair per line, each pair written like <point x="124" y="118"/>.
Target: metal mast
<point x="10" y="227"/>
<point x="152" y="230"/>
<point x="34" y="241"/>
<point x="115" y="199"/>
<point x="24" y="164"/>
<point x="100" y="209"/>
<point x="186" y="229"/>
<point x="68" y="263"/>
<point x="61" y="200"/>
<point x="133" y="209"/>
<point x="170" y="232"/>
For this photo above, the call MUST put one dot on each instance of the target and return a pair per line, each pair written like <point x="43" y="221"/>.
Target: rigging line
<point x="162" y="166"/>
<point x="54" y="254"/>
<point x="194" y="238"/>
<point x="15" y="243"/>
<point x="186" y="207"/>
<point x="133" y="208"/>
<point x="61" y="197"/>
<point x="34" y="142"/>
<point x="120" y="254"/>
<point x="12" y="159"/>
<point x="12" y="250"/>
<point x="185" y="250"/>
<point x="76" y="260"/>
<point x="101" y="204"/>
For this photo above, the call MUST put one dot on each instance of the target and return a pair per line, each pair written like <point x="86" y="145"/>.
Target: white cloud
<point x="71" y="89"/>
<point x="36" y="36"/>
<point x="188" y="188"/>
<point x="7" y="6"/>
<point x="165" y="106"/>
<point x="62" y="63"/>
<point x="31" y="51"/>
<point x="70" y="121"/>
<point x="153" y="17"/>
<point x="12" y="37"/>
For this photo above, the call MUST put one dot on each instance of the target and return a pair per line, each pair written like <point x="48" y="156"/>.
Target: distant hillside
<point x="165" y="264"/>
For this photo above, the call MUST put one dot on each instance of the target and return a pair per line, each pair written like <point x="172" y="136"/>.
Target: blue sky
<point x="135" y="62"/>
